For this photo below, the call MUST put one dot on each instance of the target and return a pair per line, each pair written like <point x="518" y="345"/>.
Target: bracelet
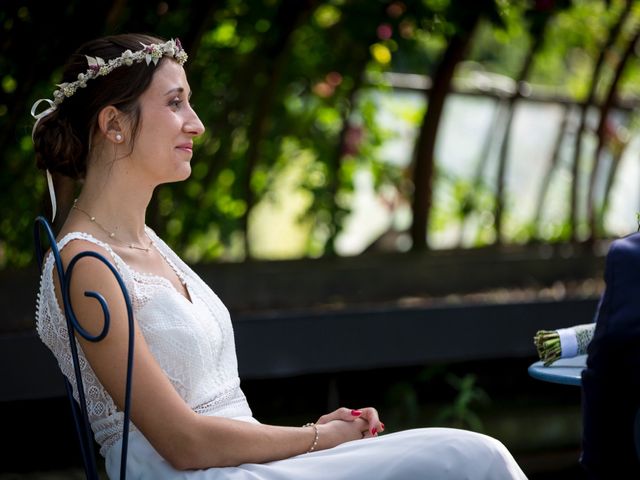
<point x="315" y="440"/>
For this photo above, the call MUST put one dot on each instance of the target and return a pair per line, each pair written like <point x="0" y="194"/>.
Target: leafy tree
<point x="285" y="85"/>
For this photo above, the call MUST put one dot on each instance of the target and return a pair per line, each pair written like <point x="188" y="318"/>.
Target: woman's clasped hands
<point x="344" y="425"/>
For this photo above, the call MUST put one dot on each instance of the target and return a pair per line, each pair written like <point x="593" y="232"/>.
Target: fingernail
<point x="356" y="413"/>
<point x="374" y="430"/>
<point x="382" y="425"/>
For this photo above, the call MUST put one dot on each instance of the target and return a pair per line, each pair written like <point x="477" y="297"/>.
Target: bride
<point x="122" y="123"/>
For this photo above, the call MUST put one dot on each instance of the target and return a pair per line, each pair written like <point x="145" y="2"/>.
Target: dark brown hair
<point x="62" y="138"/>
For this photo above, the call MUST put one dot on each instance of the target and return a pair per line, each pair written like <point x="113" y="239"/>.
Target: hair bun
<point x="57" y="148"/>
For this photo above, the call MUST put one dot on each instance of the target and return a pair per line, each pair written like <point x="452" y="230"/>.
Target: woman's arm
<point x="183" y="438"/>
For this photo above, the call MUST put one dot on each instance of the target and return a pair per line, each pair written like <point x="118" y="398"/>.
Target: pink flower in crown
<point x="95" y="64"/>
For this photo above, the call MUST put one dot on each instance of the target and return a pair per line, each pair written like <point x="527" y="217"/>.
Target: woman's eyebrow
<point x="178" y="90"/>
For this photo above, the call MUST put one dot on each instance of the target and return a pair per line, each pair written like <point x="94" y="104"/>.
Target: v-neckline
<point x="75" y="235"/>
<point x="169" y="284"/>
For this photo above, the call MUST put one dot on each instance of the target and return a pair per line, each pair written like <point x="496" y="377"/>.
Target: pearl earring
<point x="118" y="137"/>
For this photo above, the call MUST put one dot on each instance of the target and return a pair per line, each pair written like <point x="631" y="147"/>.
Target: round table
<point x="566" y="371"/>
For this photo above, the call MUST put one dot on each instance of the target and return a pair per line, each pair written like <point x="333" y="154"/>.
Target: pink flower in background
<point x="384" y="31"/>
<point x="353" y="140"/>
<point x="544" y="5"/>
<point x="327" y="87"/>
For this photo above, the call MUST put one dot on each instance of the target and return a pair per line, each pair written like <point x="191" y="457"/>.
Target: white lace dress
<point x="193" y="343"/>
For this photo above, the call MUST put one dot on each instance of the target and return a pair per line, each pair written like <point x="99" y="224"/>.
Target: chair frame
<point x="79" y="408"/>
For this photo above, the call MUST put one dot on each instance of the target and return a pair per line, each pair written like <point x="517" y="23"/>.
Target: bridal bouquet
<point x="563" y="343"/>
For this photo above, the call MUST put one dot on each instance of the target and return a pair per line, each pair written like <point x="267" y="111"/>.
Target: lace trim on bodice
<point x="228" y="401"/>
<point x="191" y="340"/>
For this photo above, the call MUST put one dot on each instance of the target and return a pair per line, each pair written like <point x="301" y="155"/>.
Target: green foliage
<point x="500" y="49"/>
<point x="280" y="83"/>
<point x="405" y="401"/>
<point x="572" y="42"/>
<point x="460" y="201"/>
<point x="461" y="413"/>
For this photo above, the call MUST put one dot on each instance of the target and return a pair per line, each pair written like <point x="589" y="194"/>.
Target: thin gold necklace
<point x="112" y="235"/>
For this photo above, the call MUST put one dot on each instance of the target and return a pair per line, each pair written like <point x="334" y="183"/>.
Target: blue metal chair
<point x="79" y="409"/>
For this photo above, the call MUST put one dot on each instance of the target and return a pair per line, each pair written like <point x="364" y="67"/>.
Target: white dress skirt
<point x="417" y="454"/>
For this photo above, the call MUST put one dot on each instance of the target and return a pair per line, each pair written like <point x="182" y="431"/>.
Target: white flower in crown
<point x="58" y="97"/>
<point x="170" y="48"/>
<point x="67" y="89"/>
<point x="181" y="57"/>
<point x="127" y="58"/>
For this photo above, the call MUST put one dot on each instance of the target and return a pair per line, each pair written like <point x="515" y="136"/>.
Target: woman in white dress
<point x="123" y="124"/>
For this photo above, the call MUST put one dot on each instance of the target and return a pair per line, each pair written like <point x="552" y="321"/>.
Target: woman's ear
<point x="110" y="123"/>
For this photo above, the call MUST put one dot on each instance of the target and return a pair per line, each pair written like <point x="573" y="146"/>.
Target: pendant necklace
<point x="112" y="235"/>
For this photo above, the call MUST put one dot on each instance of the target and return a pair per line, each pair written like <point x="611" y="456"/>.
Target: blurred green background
<point x="334" y="126"/>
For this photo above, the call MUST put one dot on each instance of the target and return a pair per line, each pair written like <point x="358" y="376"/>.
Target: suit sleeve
<point x="611" y="381"/>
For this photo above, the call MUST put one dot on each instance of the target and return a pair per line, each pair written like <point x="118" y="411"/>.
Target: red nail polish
<point x="382" y="425"/>
<point x="356" y="413"/>
<point x="374" y="431"/>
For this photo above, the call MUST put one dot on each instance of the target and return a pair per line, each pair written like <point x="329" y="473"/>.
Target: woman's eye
<point x="176" y="102"/>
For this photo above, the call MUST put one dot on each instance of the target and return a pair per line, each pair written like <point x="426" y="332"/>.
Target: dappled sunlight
<point x="277" y="228"/>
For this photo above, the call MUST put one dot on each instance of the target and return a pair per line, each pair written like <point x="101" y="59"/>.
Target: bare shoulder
<point x="87" y="267"/>
<point x="88" y="278"/>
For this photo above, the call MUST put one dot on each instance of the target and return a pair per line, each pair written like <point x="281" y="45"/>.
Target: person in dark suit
<point x="611" y="379"/>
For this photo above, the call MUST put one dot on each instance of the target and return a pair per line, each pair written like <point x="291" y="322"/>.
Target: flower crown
<point x="98" y="67"/>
